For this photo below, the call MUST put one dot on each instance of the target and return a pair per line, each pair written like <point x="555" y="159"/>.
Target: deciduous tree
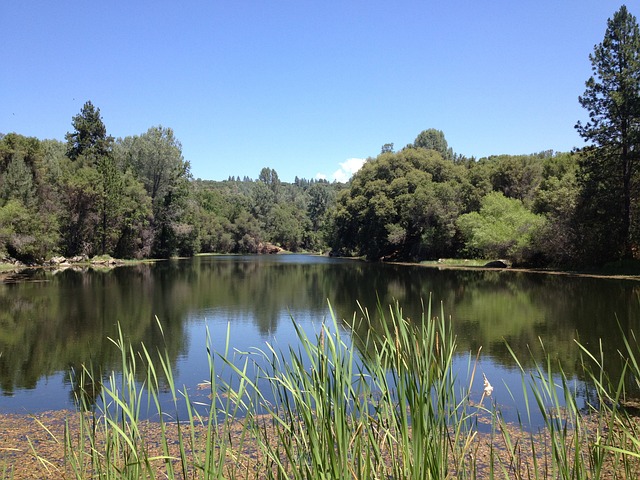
<point x="401" y="205"/>
<point x="503" y="228"/>
<point x="156" y="158"/>
<point x="433" y="139"/>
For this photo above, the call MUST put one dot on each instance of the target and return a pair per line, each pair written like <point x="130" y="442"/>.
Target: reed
<point x="387" y="404"/>
<point x="395" y="414"/>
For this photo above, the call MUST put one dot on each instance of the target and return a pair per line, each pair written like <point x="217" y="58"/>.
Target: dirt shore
<point x="33" y="447"/>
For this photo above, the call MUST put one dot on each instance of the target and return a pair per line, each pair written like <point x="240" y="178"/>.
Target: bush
<point x="25" y="235"/>
<point x="503" y="228"/>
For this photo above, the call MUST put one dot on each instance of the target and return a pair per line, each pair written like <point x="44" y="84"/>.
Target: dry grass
<point x="32" y="447"/>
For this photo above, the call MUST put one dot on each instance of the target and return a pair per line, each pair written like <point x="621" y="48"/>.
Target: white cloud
<point x="321" y="176"/>
<point x="347" y="169"/>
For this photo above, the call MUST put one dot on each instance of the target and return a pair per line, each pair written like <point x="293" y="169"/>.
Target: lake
<point x="53" y="322"/>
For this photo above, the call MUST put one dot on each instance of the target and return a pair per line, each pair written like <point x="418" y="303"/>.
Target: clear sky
<point x="304" y="87"/>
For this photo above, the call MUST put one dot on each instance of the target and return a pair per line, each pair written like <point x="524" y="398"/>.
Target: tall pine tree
<point x="609" y="169"/>
<point x="89" y="136"/>
<point x="94" y="190"/>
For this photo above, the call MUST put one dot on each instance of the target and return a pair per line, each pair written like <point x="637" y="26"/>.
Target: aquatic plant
<point x="393" y="407"/>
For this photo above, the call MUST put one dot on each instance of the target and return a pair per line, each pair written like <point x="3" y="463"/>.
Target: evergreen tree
<point x="608" y="174"/>
<point x="90" y="134"/>
<point x="95" y="179"/>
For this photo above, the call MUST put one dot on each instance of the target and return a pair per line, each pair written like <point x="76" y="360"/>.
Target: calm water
<point x="52" y="323"/>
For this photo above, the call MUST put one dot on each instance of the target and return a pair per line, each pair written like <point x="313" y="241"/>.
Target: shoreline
<point x="33" y="446"/>
<point x="110" y="262"/>
<point x="568" y="273"/>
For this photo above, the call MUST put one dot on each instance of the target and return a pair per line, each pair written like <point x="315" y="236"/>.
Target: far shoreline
<point x="107" y="262"/>
<point x="548" y="271"/>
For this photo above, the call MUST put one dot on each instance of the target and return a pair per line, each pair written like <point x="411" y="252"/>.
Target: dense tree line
<point x="569" y="209"/>
<point x="134" y="197"/>
<point x="417" y="205"/>
<point x="94" y="195"/>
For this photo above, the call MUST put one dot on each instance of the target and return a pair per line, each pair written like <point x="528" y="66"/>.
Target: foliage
<point x="28" y="148"/>
<point x="246" y="215"/>
<point x="156" y="159"/>
<point x="608" y="177"/>
<point x="556" y="199"/>
<point x="17" y="182"/>
<point x="96" y="189"/>
<point x="402" y="205"/>
<point x="139" y="200"/>
<point x="288" y="226"/>
<point x="431" y="139"/>
<point x="89" y="137"/>
<point x="134" y="214"/>
<point x="24" y="235"/>
<point x="516" y="176"/>
<point x="135" y="197"/>
<point x="503" y="228"/>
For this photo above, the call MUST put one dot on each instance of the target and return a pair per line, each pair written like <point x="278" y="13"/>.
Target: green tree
<point x="556" y="198"/>
<point x="433" y="139"/>
<point x="21" y="170"/>
<point x="30" y="196"/>
<point x="80" y="217"/>
<point x="134" y="213"/>
<point x="516" y="176"/>
<point x="17" y="182"/>
<point x="216" y="234"/>
<point x="24" y="234"/>
<point x="89" y="137"/>
<point x="247" y="233"/>
<point x="28" y="148"/>
<point x="401" y="205"/>
<point x="320" y="198"/>
<point x="387" y="148"/>
<point x="110" y="197"/>
<point x="288" y="225"/>
<point x="270" y="177"/>
<point x="263" y="201"/>
<point x="503" y="228"/>
<point x="156" y="158"/>
<point x="106" y="208"/>
<point x="90" y="147"/>
<point x="609" y="173"/>
<point x="50" y="176"/>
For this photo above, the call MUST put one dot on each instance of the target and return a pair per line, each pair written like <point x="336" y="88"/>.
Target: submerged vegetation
<point x="390" y="405"/>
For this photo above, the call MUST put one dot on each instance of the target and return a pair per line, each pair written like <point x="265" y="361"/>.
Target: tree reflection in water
<point x="53" y="323"/>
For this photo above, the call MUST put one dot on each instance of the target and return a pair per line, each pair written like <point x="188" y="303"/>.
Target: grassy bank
<point x="318" y="411"/>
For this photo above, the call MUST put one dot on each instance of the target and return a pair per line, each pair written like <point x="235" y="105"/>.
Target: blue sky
<point x="304" y="87"/>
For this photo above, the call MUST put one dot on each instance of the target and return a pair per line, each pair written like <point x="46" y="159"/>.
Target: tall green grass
<point x="387" y="405"/>
<point x="112" y="441"/>
<point x="394" y="415"/>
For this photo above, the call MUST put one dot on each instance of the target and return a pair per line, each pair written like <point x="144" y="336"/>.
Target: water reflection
<point x="53" y="323"/>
